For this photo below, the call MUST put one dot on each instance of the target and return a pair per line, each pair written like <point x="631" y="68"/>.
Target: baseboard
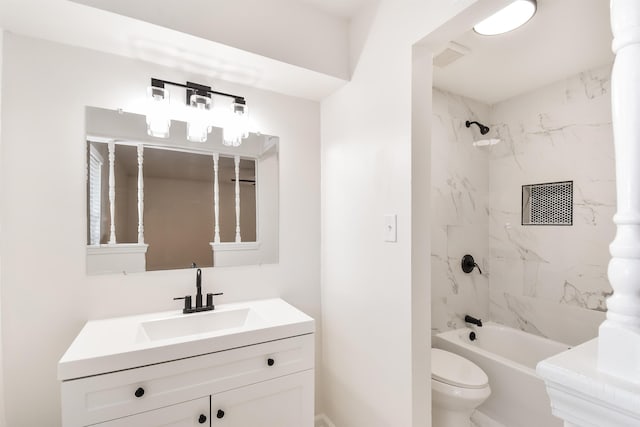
<point x="323" y="421"/>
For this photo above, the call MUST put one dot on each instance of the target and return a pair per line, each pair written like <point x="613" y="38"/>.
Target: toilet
<point x="458" y="387"/>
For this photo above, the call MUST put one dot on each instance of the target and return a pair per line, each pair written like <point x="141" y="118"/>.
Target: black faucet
<point x="198" y="288"/>
<point x="199" y="307"/>
<point x="473" y="320"/>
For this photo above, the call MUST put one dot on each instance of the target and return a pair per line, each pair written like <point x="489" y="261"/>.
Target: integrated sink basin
<point x="120" y="343"/>
<point x="198" y="323"/>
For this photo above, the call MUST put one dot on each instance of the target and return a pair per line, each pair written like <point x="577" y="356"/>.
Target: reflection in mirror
<point x="169" y="205"/>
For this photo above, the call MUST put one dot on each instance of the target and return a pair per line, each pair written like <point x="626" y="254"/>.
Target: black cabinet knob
<point x="139" y="392"/>
<point x="220" y="413"/>
<point x="271" y="362"/>
<point x="202" y="419"/>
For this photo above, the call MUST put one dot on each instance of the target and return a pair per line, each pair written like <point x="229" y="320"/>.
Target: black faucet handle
<point x="187" y="302"/>
<point x="478" y="267"/>
<point x="210" y="299"/>
<point x="468" y="264"/>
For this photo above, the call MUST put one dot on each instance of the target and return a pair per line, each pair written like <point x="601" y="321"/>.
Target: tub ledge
<point x="582" y="396"/>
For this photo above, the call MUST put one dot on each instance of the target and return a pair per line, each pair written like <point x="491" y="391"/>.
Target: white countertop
<point x="583" y="395"/>
<point x="120" y="343"/>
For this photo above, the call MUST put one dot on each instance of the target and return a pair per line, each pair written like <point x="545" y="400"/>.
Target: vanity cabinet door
<point x="194" y="413"/>
<point x="282" y="402"/>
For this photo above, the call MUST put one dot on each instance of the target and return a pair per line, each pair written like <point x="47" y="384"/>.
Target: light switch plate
<point x="390" y="224"/>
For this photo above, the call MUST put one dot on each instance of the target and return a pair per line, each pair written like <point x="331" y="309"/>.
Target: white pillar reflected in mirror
<point x="112" y="192"/>
<point x="140" y="195"/>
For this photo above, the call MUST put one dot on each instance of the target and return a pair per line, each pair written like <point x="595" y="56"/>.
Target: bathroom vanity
<point x="241" y="365"/>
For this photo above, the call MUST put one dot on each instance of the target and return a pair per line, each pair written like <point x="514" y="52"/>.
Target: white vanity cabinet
<point x="272" y="380"/>
<point x="269" y="382"/>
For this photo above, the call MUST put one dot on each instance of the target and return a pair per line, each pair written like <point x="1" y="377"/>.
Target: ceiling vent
<point x="450" y="54"/>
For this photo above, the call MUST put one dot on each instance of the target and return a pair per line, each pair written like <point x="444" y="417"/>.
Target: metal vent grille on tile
<point x="547" y="204"/>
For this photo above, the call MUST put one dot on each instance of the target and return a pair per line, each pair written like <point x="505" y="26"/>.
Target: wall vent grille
<point x="547" y="204"/>
<point x="451" y="53"/>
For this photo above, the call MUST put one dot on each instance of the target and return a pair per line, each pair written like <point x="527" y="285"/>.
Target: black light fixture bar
<point x="197" y="89"/>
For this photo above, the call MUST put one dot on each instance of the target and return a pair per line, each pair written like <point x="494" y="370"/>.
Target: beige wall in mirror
<point x="158" y="204"/>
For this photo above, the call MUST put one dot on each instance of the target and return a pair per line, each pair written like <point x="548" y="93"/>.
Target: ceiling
<point x="78" y="25"/>
<point x="342" y="8"/>
<point x="564" y="38"/>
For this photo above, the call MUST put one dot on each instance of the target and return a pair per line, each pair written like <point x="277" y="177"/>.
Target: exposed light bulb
<point x="199" y="123"/>
<point x="236" y="126"/>
<point x="507" y="19"/>
<point x="158" y="114"/>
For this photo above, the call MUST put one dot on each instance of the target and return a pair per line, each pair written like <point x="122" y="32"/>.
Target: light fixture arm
<point x="196" y="88"/>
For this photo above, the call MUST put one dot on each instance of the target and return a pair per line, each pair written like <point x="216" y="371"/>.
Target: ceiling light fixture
<point x="201" y="116"/>
<point x="507" y="19"/>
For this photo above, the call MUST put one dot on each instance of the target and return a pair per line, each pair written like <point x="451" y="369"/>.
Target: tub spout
<point x="473" y="320"/>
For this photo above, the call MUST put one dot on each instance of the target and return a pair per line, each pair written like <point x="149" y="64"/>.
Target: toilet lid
<point x="455" y="370"/>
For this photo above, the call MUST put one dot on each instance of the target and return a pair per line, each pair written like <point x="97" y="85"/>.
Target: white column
<point x="140" y="195"/>
<point x="619" y="336"/>
<point x="112" y="191"/>
<point x="237" y="163"/>
<point x="216" y="199"/>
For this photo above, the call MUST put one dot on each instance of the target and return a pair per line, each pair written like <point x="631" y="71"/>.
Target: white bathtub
<point x="509" y="357"/>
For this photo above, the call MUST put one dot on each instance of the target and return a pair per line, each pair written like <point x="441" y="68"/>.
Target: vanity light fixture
<point x="236" y="128"/>
<point x="508" y="18"/>
<point x="158" y="117"/>
<point x="198" y="126"/>
<point x="200" y="103"/>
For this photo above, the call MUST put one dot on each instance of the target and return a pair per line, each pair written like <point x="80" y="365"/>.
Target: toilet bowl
<point x="458" y="387"/>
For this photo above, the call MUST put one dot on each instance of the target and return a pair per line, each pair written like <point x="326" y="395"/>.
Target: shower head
<point x="483" y="129"/>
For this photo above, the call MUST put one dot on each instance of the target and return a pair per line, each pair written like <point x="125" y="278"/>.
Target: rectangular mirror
<point x="158" y="204"/>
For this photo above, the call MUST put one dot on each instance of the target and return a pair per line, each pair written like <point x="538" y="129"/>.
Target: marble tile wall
<point x="548" y="280"/>
<point x="552" y="280"/>
<point x="460" y="212"/>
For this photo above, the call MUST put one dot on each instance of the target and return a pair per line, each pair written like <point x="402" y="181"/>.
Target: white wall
<point x="367" y="173"/>
<point x="46" y="295"/>
<point x="2" y="410"/>
<point x="421" y="106"/>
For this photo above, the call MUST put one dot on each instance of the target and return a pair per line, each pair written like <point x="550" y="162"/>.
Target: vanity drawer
<point x="187" y="414"/>
<point x="99" y="398"/>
